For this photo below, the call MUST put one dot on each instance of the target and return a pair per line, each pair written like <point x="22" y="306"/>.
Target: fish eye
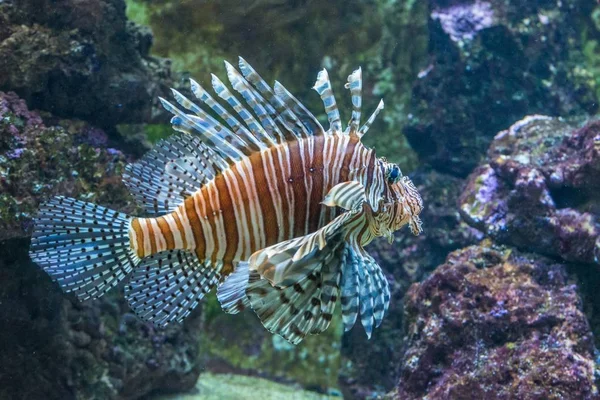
<point x="394" y="174"/>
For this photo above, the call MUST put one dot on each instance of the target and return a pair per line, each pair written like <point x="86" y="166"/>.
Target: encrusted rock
<point x="370" y="366"/>
<point x="51" y="345"/>
<point x="492" y="322"/>
<point x="80" y="58"/>
<point x="45" y="156"/>
<point x="54" y="347"/>
<point x="539" y="189"/>
<point x="492" y="62"/>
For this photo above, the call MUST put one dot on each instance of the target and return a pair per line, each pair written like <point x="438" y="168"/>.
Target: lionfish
<point x="256" y="199"/>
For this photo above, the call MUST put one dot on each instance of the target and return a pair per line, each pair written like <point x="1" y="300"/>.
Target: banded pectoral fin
<point x="364" y="290"/>
<point x="294" y="285"/>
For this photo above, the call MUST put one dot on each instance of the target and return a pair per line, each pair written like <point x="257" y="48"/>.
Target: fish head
<point x="402" y="202"/>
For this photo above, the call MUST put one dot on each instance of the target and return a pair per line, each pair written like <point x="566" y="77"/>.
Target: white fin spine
<point x="371" y="119"/>
<point x="207" y="131"/>
<point x="323" y="87"/>
<point x="251" y="122"/>
<point x="355" y="86"/>
<point x="235" y="125"/>
<point x="257" y="103"/>
<point x="276" y="106"/>
<point x="311" y="124"/>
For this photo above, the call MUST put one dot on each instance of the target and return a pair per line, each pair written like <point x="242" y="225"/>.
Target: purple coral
<point x="537" y="191"/>
<point x="494" y="321"/>
<point x="463" y="21"/>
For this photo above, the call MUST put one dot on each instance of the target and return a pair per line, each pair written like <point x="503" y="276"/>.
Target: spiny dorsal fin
<point x="167" y="286"/>
<point x="371" y="119"/>
<point x="267" y="116"/>
<point x="216" y="134"/>
<point x="312" y="125"/>
<point x="255" y="127"/>
<point x="220" y="139"/>
<point x="256" y="102"/>
<point x="355" y="86"/>
<point x="172" y="171"/>
<point x="237" y="127"/>
<point x="323" y="87"/>
<point x="277" y="108"/>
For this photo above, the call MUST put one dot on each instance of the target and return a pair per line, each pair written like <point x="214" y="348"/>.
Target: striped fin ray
<point x="263" y="110"/>
<point x="173" y="170"/>
<point x="232" y="293"/>
<point x="298" y="310"/>
<point x="167" y="286"/>
<point x="355" y="86"/>
<point x="209" y="133"/>
<point x="364" y="289"/>
<point x="371" y="119"/>
<point x="310" y="122"/>
<point x="330" y="292"/>
<point x="276" y="107"/>
<point x="284" y="263"/>
<point x="323" y="87"/>
<point x="350" y="289"/>
<point x="82" y="246"/>
<point x="294" y="285"/>
<point x="348" y="195"/>
<point x="251" y="122"/>
<point x="237" y="127"/>
<point x="216" y="128"/>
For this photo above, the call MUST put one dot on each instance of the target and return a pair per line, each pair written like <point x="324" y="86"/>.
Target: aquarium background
<point x="489" y="107"/>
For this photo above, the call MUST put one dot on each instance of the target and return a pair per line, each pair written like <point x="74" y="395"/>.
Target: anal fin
<point x="167" y="286"/>
<point x="232" y="293"/>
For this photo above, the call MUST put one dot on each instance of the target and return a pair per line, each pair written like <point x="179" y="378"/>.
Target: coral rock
<point x="369" y="366"/>
<point x="39" y="159"/>
<point x="80" y="58"/>
<point x="51" y="345"/>
<point x="495" y="323"/>
<point x="539" y="190"/>
<point x="492" y="62"/>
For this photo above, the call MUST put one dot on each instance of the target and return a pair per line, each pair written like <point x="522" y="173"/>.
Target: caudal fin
<point x="82" y="246"/>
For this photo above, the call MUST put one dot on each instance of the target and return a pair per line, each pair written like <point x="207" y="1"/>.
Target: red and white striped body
<point x="264" y="199"/>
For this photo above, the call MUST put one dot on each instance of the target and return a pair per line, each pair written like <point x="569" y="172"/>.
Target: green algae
<point x="239" y="387"/>
<point x="291" y="43"/>
<point x="240" y="343"/>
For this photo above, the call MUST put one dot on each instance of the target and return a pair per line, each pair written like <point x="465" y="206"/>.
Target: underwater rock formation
<point x="492" y="321"/>
<point x="539" y="189"/>
<point x="80" y="58"/>
<point x="45" y="156"/>
<point x="369" y="366"/>
<point x="54" y="347"/>
<point x="491" y="63"/>
<point x="51" y="345"/>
